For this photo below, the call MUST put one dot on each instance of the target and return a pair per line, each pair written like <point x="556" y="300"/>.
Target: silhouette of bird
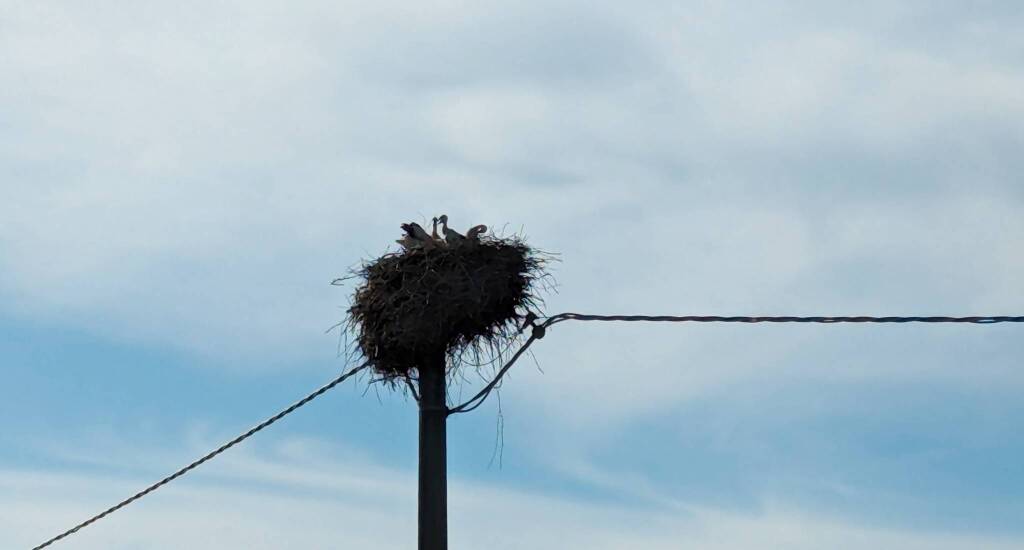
<point x="451" y="236"/>
<point x="433" y="232"/>
<point x="473" y="235"/>
<point x="415" y="237"/>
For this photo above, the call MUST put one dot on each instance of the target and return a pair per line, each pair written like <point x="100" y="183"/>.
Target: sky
<point x="180" y="183"/>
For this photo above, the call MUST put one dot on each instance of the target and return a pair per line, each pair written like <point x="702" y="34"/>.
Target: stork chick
<point x="433" y="233"/>
<point x="415" y="237"/>
<point x="451" y="236"/>
<point x="473" y="235"/>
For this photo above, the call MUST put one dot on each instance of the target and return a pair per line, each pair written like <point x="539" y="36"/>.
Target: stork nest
<point x="418" y="303"/>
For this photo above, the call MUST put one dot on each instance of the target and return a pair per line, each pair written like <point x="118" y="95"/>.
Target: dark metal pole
<point x="433" y="490"/>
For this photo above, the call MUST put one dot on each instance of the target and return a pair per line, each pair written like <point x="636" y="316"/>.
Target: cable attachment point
<point x="530" y="320"/>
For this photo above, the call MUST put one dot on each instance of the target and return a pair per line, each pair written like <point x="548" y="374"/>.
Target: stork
<point x="451" y="236"/>
<point x="415" y="237"/>
<point x="433" y="232"/>
<point x="473" y="235"/>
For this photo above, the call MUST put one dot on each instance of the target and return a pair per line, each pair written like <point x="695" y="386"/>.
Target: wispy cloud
<point x="295" y="496"/>
<point x="169" y="168"/>
<point x="184" y="181"/>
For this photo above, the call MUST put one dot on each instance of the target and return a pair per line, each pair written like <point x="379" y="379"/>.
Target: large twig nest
<point x="419" y="303"/>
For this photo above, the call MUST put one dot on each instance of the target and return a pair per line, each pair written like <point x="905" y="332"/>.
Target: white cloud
<point x="194" y="178"/>
<point x="296" y="496"/>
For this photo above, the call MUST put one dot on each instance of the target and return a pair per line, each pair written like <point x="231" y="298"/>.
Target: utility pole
<point x="433" y="488"/>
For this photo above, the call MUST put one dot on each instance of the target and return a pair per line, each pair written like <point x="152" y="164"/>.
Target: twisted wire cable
<point x="481" y="396"/>
<point x="779" y="319"/>
<point x="207" y="457"/>
<point x="539" y="330"/>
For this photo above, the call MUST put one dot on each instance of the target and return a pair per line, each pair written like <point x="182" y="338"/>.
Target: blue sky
<point x="180" y="183"/>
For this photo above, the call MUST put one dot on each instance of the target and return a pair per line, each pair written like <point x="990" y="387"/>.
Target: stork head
<point x="443" y="218"/>
<point x="476" y="231"/>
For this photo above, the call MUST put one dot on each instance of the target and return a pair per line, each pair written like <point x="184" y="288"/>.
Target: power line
<point x="540" y="329"/>
<point x="208" y="456"/>
<point x="777" y="319"/>
<point x="481" y="396"/>
<point x="538" y="333"/>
